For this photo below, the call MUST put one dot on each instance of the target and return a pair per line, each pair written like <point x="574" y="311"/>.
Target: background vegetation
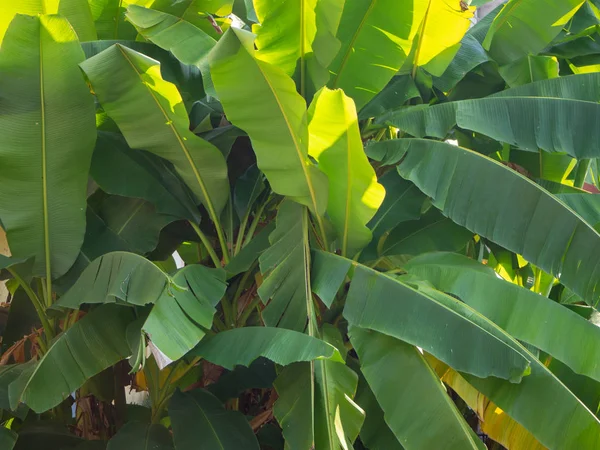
<point x="310" y="224"/>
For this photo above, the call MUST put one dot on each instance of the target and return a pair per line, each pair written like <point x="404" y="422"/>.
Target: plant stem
<point x="239" y="291"/>
<point x="222" y="240"/>
<point x="582" y="169"/>
<point x="254" y="224"/>
<point x="227" y="312"/>
<point x="240" y="237"/>
<point x="248" y="311"/>
<point x="211" y="251"/>
<point x="37" y="304"/>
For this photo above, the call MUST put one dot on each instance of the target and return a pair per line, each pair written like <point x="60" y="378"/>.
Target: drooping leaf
<point x="127" y="82"/>
<point x="527" y="316"/>
<point x="47" y="136"/>
<point x="276" y="125"/>
<point x="517" y="216"/>
<point x="199" y="418"/>
<point x="470" y="55"/>
<point x="354" y="193"/>
<point x="141" y="436"/>
<point x="117" y="276"/>
<point x="76" y="12"/>
<point x="241" y="346"/>
<point x="526" y="27"/>
<point x="371" y="32"/>
<point x="286" y="268"/>
<point x="179" y="320"/>
<point x="555" y="115"/>
<point x="91" y="345"/>
<point x="398" y="374"/>
<point x="368" y="306"/>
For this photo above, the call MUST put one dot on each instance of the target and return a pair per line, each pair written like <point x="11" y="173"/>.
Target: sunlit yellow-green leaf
<point x="273" y="114"/>
<point x="354" y="193"/>
<point x="76" y="11"/>
<point x="438" y="39"/>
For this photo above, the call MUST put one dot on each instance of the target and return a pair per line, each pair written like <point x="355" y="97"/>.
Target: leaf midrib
<point x="352" y="42"/>
<point x="185" y="150"/>
<point x="44" y="169"/>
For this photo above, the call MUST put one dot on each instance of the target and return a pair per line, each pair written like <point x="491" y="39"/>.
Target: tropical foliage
<point x="310" y="224"/>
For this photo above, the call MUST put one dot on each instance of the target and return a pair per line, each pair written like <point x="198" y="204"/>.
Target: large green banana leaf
<point x="199" y="417"/>
<point x="556" y="115"/>
<point x="47" y="135"/>
<point x="91" y="345"/>
<point x="335" y="142"/>
<point x="184" y="305"/>
<point x="75" y="11"/>
<point x="430" y="321"/>
<point x="241" y="346"/>
<point x="586" y="205"/>
<point x="315" y="406"/>
<point x="122" y="171"/>
<point x="286" y="268"/>
<point x="398" y="374"/>
<point x="527" y="316"/>
<point x="371" y="32"/>
<point x="276" y="124"/>
<point x="525" y="27"/>
<point x="180" y="318"/>
<point x="141" y="436"/>
<point x="375" y="433"/>
<point x="127" y="82"/>
<point x="441" y="29"/>
<point x="519" y="216"/>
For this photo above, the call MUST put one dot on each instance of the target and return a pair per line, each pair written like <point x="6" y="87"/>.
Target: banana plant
<point x="316" y="224"/>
